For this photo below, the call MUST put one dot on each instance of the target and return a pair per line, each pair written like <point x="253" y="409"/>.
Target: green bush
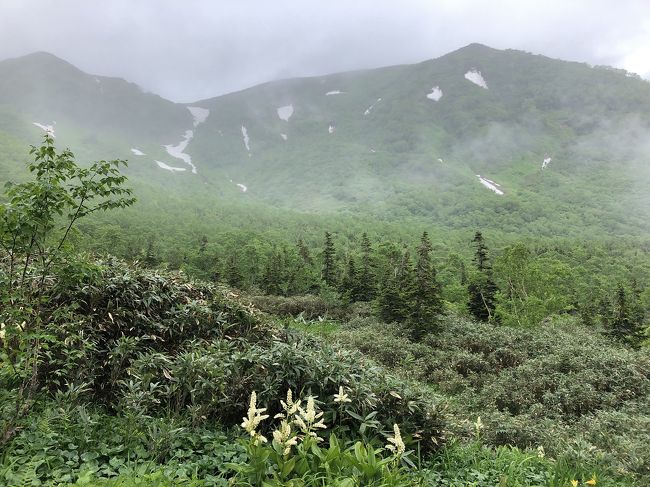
<point x="550" y="386"/>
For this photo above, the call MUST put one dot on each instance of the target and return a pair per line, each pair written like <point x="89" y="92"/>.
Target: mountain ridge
<point x="479" y="136"/>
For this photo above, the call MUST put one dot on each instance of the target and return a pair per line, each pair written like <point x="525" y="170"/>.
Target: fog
<point x="194" y="49"/>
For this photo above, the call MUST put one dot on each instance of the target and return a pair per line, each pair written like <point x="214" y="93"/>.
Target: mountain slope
<point x="94" y="114"/>
<point x="476" y="138"/>
<point x="411" y="140"/>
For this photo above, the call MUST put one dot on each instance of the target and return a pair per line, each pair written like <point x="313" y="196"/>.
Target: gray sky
<point x="191" y="49"/>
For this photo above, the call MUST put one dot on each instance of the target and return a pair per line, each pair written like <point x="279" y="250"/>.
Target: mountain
<point x="476" y="138"/>
<point x="411" y="140"/>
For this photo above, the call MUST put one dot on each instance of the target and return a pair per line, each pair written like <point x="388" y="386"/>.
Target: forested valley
<point x="409" y="325"/>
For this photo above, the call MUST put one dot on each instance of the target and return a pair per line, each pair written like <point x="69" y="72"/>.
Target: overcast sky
<point x="191" y="49"/>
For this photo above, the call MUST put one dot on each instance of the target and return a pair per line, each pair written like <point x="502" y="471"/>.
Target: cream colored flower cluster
<point x="307" y="420"/>
<point x="395" y="443"/>
<point x="253" y="420"/>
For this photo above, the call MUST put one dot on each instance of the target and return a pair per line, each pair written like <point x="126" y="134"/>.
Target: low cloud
<point x="196" y="49"/>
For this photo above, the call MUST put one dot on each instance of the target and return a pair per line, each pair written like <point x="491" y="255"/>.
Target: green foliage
<point x="427" y="305"/>
<point x="482" y="288"/>
<point x="560" y="386"/>
<point x="296" y="455"/>
<point x="329" y="273"/>
<point x="32" y="250"/>
<point x="626" y="323"/>
<point x="150" y="346"/>
<point x="68" y="442"/>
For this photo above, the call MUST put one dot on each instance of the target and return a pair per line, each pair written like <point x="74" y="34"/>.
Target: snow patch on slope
<point x="284" y="136"/>
<point x="162" y="165"/>
<point x="331" y="129"/>
<point x="285" y="112"/>
<point x="436" y="93"/>
<point x="335" y="92"/>
<point x="138" y="152"/>
<point x="244" y="134"/>
<point x="546" y="162"/>
<point x="243" y="187"/>
<point x="476" y="77"/>
<point x="178" y="150"/>
<point x="199" y="114"/>
<point x="369" y="109"/>
<point x="47" y="128"/>
<point x="488" y="183"/>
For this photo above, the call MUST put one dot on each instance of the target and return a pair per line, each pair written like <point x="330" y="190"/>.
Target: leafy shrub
<point x="212" y="380"/>
<point x="549" y="386"/>
<point x="64" y="444"/>
<point x="295" y="455"/>
<point x="309" y="307"/>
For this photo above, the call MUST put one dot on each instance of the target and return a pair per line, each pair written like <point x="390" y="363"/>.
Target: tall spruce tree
<point x="482" y="288"/>
<point x="350" y="282"/>
<point x="367" y="286"/>
<point x="329" y="267"/>
<point x="426" y="302"/>
<point x="394" y="300"/>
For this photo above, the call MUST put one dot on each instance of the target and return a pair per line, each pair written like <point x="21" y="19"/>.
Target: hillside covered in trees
<point x="430" y="274"/>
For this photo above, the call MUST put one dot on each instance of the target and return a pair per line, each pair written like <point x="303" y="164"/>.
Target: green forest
<point x="334" y="280"/>
<point x="333" y="353"/>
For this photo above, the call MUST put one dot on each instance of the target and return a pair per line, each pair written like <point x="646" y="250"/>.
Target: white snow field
<point x="244" y="134"/>
<point x="335" y="92"/>
<point x="284" y="136"/>
<point x="476" y="77"/>
<point x="47" y="128"/>
<point x="162" y="165"/>
<point x="436" y="93"/>
<point x="488" y="183"/>
<point x="242" y="187"/>
<point x="178" y="150"/>
<point x="546" y="162"/>
<point x="331" y="129"/>
<point x="285" y="112"/>
<point x="138" y="152"/>
<point x="200" y="114"/>
<point x="369" y="109"/>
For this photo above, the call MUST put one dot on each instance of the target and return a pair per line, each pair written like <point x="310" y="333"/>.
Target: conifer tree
<point x="329" y="270"/>
<point x="482" y="288"/>
<point x="367" y="286"/>
<point x="624" y="325"/>
<point x="426" y="305"/>
<point x="271" y="274"/>
<point x="394" y="300"/>
<point x="150" y="259"/>
<point x="216" y="269"/>
<point x="303" y="250"/>
<point x="350" y="282"/>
